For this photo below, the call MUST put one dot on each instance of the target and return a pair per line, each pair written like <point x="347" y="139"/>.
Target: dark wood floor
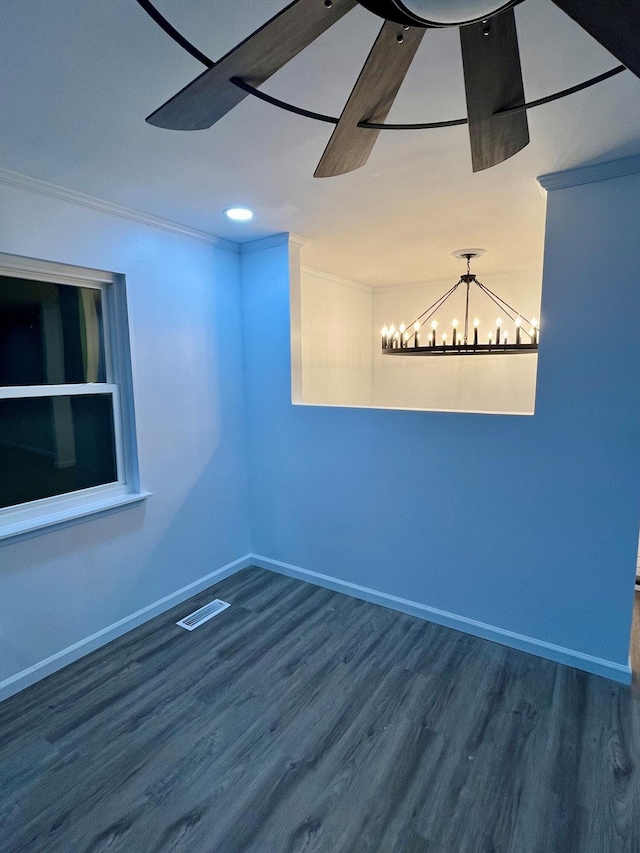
<point x="303" y="720"/>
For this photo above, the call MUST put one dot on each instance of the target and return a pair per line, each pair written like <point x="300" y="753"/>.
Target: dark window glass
<point x="53" y="445"/>
<point x="50" y="334"/>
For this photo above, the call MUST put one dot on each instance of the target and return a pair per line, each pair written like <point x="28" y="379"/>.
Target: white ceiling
<point x="79" y="77"/>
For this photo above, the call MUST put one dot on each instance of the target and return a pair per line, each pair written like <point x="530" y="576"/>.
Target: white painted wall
<point x="336" y="340"/>
<point x="184" y="310"/>
<point x="341" y="362"/>
<point x="494" y="384"/>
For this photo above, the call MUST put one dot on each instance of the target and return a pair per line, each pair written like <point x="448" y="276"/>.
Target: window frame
<point x="45" y="513"/>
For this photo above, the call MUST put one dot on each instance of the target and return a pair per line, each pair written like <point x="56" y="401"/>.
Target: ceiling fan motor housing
<point x="436" y="13"/>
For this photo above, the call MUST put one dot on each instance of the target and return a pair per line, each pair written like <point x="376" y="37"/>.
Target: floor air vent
<point x="203" y="614"/>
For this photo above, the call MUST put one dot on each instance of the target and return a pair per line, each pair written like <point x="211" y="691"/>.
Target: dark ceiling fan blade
<point x="211" y="95"/>
<point x="371" y="99"/>
<point x="614" y="23"/>
<point x="493" y="81"/>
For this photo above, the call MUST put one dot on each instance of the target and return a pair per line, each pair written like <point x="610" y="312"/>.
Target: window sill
<point x="25" y="528"/>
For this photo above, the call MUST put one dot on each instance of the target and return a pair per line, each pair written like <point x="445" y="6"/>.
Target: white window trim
<point x="42" y="515"/>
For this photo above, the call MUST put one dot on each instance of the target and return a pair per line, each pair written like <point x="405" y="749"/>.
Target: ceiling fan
<point x="496" y="108"/>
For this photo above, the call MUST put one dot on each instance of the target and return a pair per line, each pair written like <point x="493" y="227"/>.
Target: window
<point x="67" y="444"/>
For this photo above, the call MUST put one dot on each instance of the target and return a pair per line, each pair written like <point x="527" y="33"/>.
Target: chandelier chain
<point x="503" y="305"/>
<point x="431" y="310"/>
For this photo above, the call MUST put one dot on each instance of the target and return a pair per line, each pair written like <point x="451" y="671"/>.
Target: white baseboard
<point x="569" y="657"/>
<point x="61" y="659"/>
<point x="597" y="666"/>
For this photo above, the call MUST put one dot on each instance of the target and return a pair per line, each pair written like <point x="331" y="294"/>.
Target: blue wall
<point x="184" y="311"/>
<point x="527" y="524"/>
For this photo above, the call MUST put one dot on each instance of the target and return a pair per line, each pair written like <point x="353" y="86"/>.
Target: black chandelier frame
<point x="184" y="43"/>
<point x="408" y="343"/>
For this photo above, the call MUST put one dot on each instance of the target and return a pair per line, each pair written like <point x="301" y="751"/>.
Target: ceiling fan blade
<point x="493" y="81"/>
<point x="211" y="95"/>
<point x="371" y="99"/>
<point x="614" y="23"/>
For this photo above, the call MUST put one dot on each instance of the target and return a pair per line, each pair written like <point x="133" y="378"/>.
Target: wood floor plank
<point x="635" y="647"/>
<point x="303" y="720"/>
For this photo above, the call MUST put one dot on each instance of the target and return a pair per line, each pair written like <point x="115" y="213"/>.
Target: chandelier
<point x="463" y="339"/>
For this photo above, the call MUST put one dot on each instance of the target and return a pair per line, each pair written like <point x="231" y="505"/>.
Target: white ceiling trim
<point x="35" y="185"/>
<point x="499" y="277"/>
<point x="591" y="174"/>
<point x="282" y="239"/>
<point x="336" y="278"/>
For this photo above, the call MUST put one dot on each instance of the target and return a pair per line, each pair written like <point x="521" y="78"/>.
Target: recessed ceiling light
<point x="239" y="214"/>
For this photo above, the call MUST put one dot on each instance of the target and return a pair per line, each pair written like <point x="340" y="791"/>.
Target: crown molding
<point x="501" y="277"/>
<point x="35" y="185"/>
<point x="591" y="174"/>
<point x="264" y="243"/>
<point x="336" y="278"/>
<point x="283" y="239"/>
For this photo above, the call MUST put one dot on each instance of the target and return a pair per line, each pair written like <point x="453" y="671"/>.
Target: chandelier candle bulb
<point x="457" y="340"/>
